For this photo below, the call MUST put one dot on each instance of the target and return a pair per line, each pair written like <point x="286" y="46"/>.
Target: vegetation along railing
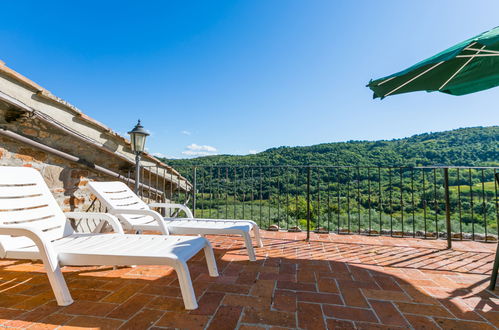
<point x="429" y="202"/>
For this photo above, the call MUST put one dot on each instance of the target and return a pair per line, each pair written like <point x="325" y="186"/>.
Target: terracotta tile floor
<point x="332" y="282"/>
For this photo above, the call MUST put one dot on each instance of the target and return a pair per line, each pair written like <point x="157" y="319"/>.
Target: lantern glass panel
<point x="139" y="142"/>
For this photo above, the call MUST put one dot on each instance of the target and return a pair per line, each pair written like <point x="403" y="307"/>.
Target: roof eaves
<point x="46" y="94"/>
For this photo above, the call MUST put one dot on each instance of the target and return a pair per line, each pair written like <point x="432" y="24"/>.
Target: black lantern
<point x="138" y="137"/>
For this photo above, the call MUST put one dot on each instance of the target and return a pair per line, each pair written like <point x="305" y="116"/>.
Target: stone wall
<point x="67" y="181"/>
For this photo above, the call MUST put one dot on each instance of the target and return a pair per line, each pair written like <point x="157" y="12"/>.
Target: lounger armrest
<point x="106" y="217"/>
<point x="159" y="219"/>
<point x="182" y="207"/>
<point x="47" y="253"/>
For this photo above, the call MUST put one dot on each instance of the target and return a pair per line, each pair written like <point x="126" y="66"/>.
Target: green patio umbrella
<point x="468" y="67"/>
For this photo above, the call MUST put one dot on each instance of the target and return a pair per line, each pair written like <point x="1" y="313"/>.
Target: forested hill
<point x="475" y="146"/>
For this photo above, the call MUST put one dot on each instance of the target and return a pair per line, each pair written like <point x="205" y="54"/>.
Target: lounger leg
<point x="184" y="278"/>
<point x="210" y="260"/>
<point x="249" y="246"/>
<point x="258" y="238"/>
<point x="59" y="286"/>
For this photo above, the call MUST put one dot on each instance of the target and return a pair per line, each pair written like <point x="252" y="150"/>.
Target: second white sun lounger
<point x="137" y="215"/>
<point x="32" y="226"/>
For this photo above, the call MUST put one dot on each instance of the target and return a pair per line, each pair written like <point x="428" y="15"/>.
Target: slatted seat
<point x="80" y="249"/>
<point x="134" y="214"/>
<point x="32" y="226"/>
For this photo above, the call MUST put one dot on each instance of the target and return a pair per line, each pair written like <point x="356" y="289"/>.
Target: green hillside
<point x="475" y="146"/>
<point x="396" y="197"/>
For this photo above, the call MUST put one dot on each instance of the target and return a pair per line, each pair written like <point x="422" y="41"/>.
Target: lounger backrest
<point x="25" y="200"/>
<point x="117" y="195"/>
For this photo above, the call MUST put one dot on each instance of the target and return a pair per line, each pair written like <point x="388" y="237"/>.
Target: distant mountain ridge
<point x="474" y="146"/>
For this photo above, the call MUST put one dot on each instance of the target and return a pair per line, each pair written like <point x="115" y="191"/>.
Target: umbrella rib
<point x="483" y="50"/>
<point x="459" y="70"/>
<point x="412" y="79"/>
<point x="470" y="45"/>
<point x="479" y="55"/>
<point x="387" y="80"/>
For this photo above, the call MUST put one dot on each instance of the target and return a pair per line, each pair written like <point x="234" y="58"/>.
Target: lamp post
<point x="138" y="140"/>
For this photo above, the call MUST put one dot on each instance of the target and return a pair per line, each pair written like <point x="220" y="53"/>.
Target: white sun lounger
<point x="134" y="214"/>
<point x="32" y="226"/>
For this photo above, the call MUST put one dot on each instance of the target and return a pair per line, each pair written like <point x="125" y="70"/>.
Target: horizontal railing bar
<point x="336" y="166"/>
<point x="459" y="167"/>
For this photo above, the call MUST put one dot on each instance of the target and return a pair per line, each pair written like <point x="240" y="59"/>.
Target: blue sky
<point x="237" y="77"/>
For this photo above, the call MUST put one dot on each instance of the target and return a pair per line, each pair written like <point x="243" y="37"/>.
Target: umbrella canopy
<point x="468" y="67"/>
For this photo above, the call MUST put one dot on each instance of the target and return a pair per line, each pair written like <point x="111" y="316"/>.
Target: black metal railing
<point x="430" y="202"/>
<point x="158" y="184"/>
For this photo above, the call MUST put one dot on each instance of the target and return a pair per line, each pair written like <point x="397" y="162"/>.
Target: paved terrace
<point x="334" y="282"/>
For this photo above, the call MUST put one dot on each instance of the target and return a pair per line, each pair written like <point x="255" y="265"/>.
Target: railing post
<point x="447" y="207"/>
<point x="194" y="189"/>
<point x="308" y="203"/>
